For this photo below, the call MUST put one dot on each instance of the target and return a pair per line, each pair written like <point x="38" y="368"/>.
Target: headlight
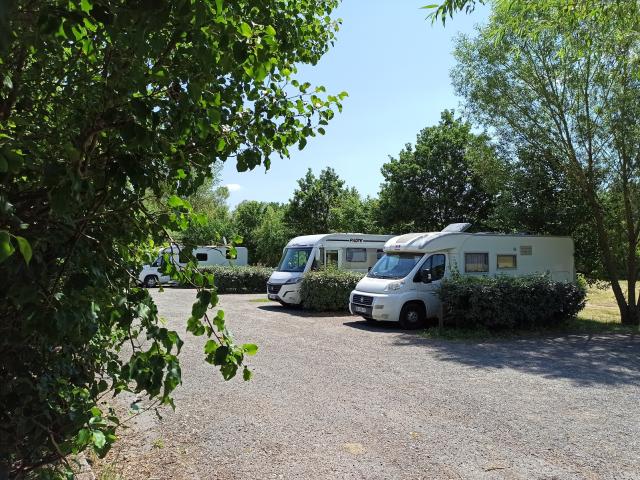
<point x="293" y="280"/>
<point x="394" y="286"/>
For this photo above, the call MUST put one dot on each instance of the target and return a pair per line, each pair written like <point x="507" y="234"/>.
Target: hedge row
<point x="509" y="302"/>
<point x="247" y="279"/>
<point x="328" y="290"/>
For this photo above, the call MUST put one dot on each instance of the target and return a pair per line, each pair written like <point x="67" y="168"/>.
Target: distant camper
<point x="403" y="285"/>
<point x="150" y="276"/>
<point x="349" y="251"/>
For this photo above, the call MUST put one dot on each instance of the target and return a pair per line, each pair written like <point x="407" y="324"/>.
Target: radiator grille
<point x="363" y="300"/>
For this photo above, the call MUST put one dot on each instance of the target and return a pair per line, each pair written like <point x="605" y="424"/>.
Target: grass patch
<point x="260" y="300"/>
<point x="601" y="304"/>
<point x="600" y="315"/>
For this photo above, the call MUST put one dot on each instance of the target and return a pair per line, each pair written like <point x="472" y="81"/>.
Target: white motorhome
<point x="151" y="276"/>
<point x="403" y="285"/>
<point x="357" y="252"/>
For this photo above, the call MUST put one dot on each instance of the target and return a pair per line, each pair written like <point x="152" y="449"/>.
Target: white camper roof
<point x="312" y="240"/>
<point x="176" y="247"/>
<point x="445" y="240"/>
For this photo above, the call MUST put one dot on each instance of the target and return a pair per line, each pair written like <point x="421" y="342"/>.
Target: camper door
<point x="333" y="257"/>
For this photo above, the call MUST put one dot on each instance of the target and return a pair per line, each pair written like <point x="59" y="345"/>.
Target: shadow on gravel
<point x="299" y="312"/>
<point x="612" y="359"/>
<point x="377" y="327"/>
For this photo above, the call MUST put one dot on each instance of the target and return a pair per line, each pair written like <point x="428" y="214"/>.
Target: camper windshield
<point x="294" y="260"/>
<point x="394" y="265"/>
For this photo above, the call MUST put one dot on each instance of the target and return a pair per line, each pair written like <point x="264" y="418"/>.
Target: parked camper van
<point x="350" y="251"/>
<point x="150" y="276"/>
<point x="403" y="285"/>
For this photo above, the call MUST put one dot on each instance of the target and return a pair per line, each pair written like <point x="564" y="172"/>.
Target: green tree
<point x="352" y="213"/>
<point x="309" y="210"/>
<point x="439" y="181"/>
<point x="247" y="217"/>
<point x="537" y="197"/>
<point x="563" y="78"/>
<point x="271" y="236"/>
<point x="103" y="105"/>
<point x="210" y="206"/>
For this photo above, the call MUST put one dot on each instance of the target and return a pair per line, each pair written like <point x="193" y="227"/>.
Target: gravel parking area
<point x="333" y="397"/>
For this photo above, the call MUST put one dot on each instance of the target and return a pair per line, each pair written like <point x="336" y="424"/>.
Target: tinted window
<point x="182" y="256"/>
<point x="437" y="267"/>
<point x="202" y="257"/>
<point x="435" y="264"/>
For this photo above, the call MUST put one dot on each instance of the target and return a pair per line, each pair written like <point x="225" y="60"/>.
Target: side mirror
<point x="425" y="275"/>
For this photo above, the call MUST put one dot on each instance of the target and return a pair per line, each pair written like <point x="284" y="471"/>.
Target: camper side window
<point x="202" y="257"/>
<point x="476" y="262"/>
<point x="356" y="254"/>
<point x="507" y="262"/>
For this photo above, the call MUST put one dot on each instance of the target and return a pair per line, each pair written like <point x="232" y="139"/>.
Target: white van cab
<point x="357" y="252"/>
<point x="403" y="285"/>
<point x="151" y="276"/>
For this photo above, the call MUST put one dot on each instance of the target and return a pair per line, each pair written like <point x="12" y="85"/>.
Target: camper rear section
<point x="516" y="255"/>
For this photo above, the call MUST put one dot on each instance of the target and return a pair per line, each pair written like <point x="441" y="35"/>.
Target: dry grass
<point x="601" y="304"/>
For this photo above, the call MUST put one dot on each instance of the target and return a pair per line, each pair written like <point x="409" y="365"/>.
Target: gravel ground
<point x="335" y="398"/>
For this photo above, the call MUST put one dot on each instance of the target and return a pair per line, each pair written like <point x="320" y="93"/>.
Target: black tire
<point x="151" y="281"/>
<point x="412" y="316"/>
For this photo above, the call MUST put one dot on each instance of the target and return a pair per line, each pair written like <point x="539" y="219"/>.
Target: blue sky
<point x="395" y="66"/>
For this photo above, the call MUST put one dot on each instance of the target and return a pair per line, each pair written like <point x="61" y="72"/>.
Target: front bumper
<point x="284" y="292"/>
<point x="376" y="306"/>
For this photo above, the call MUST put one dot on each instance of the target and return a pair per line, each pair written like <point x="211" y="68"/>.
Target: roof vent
<point x="457" y="227"/>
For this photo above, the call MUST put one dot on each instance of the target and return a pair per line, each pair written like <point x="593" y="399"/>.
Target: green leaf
<point x="246" y="374"/>
<point x="245" y="30"/>
<point x="98" y="439"/>
<point x="175" y="201"/>
<point x="250" y="348"/>
<point x="86" y="6"/>
<point x="25" y="249"/>
<point x="82" y="438"/>
<point x="218" y="321"/>
<point x="6" y="249"/>
<point x="211" y="346"/>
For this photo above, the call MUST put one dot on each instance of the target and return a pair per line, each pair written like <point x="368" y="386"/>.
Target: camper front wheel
<point x="150" y="281"/>
<point x="412" y="316"/>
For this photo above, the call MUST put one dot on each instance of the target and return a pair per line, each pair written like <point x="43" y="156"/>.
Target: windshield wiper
<point x="378" y="275"/>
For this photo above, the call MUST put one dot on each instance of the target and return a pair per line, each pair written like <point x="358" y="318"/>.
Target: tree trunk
<point x="629" y="314"/>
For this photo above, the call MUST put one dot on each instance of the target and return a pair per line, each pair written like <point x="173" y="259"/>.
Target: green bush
<point x="247" y="279"/>
<point x="509" y="302"/>
<point x="328" y="290"/>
